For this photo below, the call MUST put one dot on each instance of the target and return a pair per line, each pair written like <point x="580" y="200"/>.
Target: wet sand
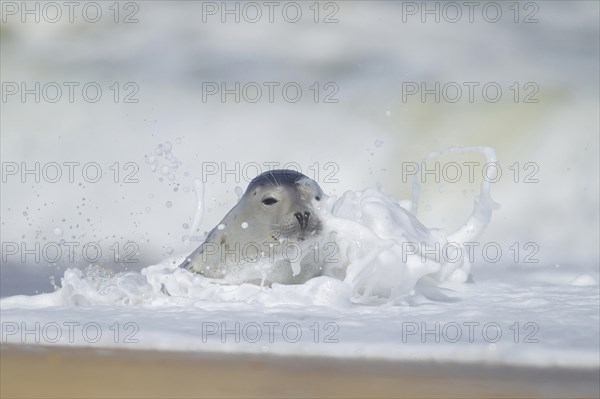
<point x="64" y="372"/>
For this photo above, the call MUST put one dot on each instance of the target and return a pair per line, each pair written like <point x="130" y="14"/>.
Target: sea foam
<point x="380" y="253"/>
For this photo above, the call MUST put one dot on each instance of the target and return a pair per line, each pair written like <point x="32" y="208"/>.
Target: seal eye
<point x="269" y="201"/>
<point x="318" y="198"/>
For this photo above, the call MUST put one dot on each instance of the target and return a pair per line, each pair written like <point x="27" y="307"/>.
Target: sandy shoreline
<point x="37" y="371"/>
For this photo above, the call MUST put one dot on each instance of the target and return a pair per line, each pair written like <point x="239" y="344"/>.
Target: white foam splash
<point x="379" y="254"/>
<point x="199" y="214"/>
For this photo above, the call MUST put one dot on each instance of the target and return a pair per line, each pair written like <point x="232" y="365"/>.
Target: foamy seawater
<point x="378" y="252"/>
<point x="384" y="297"/>
<point x="509" y="317"/>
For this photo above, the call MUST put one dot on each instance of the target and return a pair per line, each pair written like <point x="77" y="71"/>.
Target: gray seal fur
<point x="273" y="225"/>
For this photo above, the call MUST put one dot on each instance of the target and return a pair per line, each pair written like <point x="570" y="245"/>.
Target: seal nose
<point x="302" y="219"/>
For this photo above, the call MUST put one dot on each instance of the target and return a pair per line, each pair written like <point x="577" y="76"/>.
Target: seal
<point x="267" y="236"/>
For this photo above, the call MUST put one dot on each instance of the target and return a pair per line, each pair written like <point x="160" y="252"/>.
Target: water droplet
<point x="185" y="226"/>
<point x="167" y="147"/>
<point x="378" y="143"/>
<point x="168" y="204"/>
<point x="221" y="226"/>
<point x="169" y="250"/>
<point x="244" y="225"/>
<point x="58" y="232"/>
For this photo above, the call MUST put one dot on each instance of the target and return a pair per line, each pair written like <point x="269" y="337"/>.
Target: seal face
<point x="252" y="242"/>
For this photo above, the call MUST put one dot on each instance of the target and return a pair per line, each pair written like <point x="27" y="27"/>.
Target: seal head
<point x="277" y="209"/>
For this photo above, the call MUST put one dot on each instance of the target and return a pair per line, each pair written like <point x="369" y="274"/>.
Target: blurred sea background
<point x="370" y="54"/>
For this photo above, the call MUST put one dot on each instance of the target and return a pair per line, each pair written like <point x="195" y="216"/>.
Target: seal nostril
<point x="300" y="218"/>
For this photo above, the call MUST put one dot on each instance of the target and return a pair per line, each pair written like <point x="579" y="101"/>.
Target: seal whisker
<point x="274" y="178"/>
<point x="268" y="224"/>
